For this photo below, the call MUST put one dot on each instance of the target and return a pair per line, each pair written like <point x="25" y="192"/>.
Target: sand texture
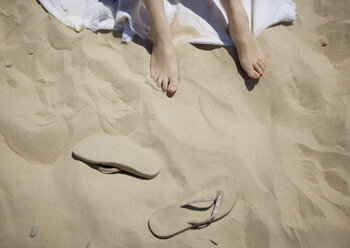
<point x="284" y="141"/>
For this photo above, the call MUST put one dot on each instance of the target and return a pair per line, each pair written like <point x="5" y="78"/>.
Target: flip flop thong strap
<point x="216" y="202"/>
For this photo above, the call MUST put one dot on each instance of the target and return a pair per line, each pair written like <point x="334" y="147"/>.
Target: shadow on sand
<point x="231" y="50"/>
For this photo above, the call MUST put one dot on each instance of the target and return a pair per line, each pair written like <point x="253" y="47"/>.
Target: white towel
<point x="194" y="21"/>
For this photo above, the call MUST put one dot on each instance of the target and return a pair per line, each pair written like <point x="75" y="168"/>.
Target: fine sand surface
<point x="284" y="141"/>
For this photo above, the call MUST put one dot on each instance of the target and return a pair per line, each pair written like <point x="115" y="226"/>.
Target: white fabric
<point x="194" y="21"/>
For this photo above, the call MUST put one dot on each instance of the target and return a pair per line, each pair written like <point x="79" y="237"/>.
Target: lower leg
<point x="163" y="60"/>
<point x="249" y="53"/>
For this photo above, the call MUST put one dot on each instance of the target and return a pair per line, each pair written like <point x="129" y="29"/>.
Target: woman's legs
<point x="163" y="64"/>
<point x="249" y="53"/>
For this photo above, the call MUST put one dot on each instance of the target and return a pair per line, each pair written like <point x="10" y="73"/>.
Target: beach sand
<point x="284" y="141"/>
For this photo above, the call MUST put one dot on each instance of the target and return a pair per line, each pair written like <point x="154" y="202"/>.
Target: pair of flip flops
<point x="110" y="155"/>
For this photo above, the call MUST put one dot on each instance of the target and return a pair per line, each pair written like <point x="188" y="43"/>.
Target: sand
<point x="284" y="141"/>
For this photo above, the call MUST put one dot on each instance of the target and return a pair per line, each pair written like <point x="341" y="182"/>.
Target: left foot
<point x="249" y="52"/>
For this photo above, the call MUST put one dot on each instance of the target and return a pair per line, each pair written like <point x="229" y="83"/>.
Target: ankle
<point x="163" y="40"/>
<point x="161" y="35"/>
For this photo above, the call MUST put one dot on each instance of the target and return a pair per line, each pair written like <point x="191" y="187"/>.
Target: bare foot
<point x="250" y="55"/>
<point x="164" y="69"/>
<point x="163" y="64"/>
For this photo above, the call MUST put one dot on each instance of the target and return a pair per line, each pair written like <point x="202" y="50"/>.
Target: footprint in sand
<point x="31" y="129"/>
<point x="326" y="174"/>
<point x="112" y="90"/>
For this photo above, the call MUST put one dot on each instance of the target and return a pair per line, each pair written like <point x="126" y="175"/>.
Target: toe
<point x="165" y="84"/>
<point x="159" y="81"/>
<point x="172" y="85"/>
<point x="262" y="66"/>
<point x="258" y="69"/>
<point x="253" y="74"/>
<point x="264" y="61"/>
<point x="256" y="75"/>
<point x="153" y="75"/>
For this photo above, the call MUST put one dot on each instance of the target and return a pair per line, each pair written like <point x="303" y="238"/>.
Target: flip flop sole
<point x="175" y="219"/>
<point x="119" y="152"/>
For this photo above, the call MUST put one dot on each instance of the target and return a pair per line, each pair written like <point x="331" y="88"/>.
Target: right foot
<point x="164" y="69"/>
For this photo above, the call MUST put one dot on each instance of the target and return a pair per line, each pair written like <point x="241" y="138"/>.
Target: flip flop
<point x="113" y="154"/>
<point x="186" y="215"/>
